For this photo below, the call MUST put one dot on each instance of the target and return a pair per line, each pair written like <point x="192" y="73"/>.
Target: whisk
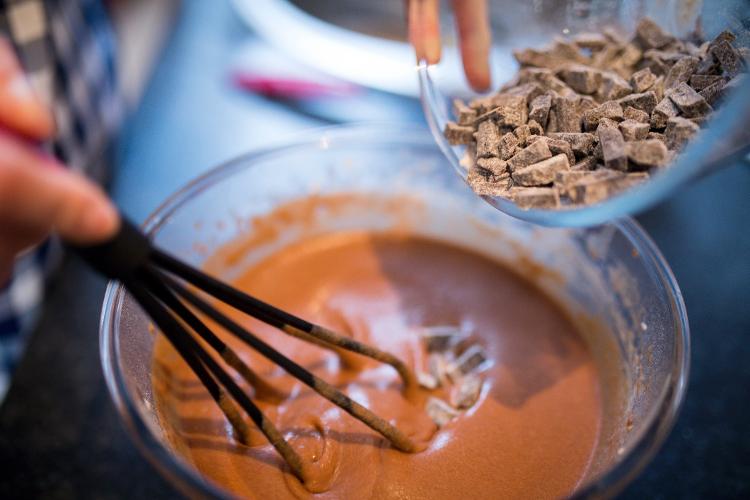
<point x="159" y="282"/>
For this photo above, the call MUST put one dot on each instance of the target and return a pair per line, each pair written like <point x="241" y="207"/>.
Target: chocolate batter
<point x="532" y="433"/>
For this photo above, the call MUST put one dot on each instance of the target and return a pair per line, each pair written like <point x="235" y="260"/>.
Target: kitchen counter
<point x="60" y="436"/>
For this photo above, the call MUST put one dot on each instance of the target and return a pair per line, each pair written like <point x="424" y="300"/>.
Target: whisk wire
<point x="392" y="433"/>
<point x="201" y="362"/>
<point x="278" y="318"/>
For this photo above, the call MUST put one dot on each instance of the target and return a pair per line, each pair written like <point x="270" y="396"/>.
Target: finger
<point x="37" y="197"/>
<point x="423" y="17"/>
<point x="20" y="108"/>
<point x="472" y="18"/>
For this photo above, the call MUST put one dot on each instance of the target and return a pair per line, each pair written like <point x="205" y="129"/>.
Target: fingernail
<point x="432" y="50"/>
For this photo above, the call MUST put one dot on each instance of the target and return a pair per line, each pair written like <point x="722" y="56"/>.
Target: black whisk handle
<point x="119" y="257"/>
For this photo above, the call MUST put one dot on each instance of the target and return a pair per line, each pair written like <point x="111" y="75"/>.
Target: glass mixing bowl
<point x="531" y="24"/>
<point x="612" y="273"/>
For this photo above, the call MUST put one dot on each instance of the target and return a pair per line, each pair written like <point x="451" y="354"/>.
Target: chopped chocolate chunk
<point x="631" y="113"/>
<point x="535" y="197"/>
<point x="591" y="41"/>
<point x="481" y="104"/>
<point x="650" y="35"/>
<point x="652" y="60"/>
<point x="458" y="134"/>
<point x="667" y="55"/>
<point x="700" y="82"/>
<point x="535" y="128"/>
<point x="498" y="168"/>
<point x="529" y="91"/>
<point x="567" y="117"/>
<point x="681" y="71"/>
<point x="708" y="66"/>
<point x="688" y="101"/>
<point x="427" y="381"/>
<point x="568" y="50"/>
<point x="582" y="79"/>
<point x="534" y="153"/>
<point x="663" y="112"/>
<point x="485" y="184"/>
<point x="724" y="36"/>
<point x="513" y="110"/>
<point x="537" y="58"/>
<point x="540" y="173"/>
<point x="657" y="136"/>
<point x="540" y="107"/>
<point x="645" y="101"/>
<point x="566" y="181"/>
<point x="588" y="163"/>
<point x="472" y="360"/>
<point x="598" y="189"/>
<point x="630" y="56"/>
<point x="558" y="146"/>
<point x="437" y="364"/>
<point x="658" y="88"/>
<point x="440" y="338"/>
<point x="727" y="57"/>
<point x="546" y="79"/>
<point x="523" y="132"/>
<point x="440" y="412"/>
<point x="586" y="103"/>
<point x="598" y="186"/>
<point x="552" y="121"/>
<point x="598" y="154"/>
<point x="700" y="120"/>
<point x="714" y="92"/>
<point x="507" y="146"/>
<point x="566" y="178"/>
<point x="613" y="147"/>
<point x="609" y="109"/>
<point x="582" y="144"/>
<point x="463" y="113"/>
<point x="631" y="179"/>
<point x="613" y="87"/>
<point x="647" y="153"/>
<point x="607" y="123"/>
<point x="634" y="131"/>
<point x="642" y="80"/>
<point x="679" y="131"/>
<point x="487" y="137"/>
<point x="491" y="114"/>
<point x="614" y="34"/>
<point x="466" y="392"/>
<point x="607" y="57"/>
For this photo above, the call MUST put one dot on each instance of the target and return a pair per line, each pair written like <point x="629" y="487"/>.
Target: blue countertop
<point x="59" y="434"/>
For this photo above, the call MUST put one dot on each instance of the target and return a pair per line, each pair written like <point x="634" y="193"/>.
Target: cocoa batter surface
<point x="532" y="433"/>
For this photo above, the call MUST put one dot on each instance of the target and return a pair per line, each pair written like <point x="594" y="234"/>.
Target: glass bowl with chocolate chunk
<point x="598" y="110"/>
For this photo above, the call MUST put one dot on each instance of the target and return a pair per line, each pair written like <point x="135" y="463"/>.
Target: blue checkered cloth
<point x="67" y="49"/>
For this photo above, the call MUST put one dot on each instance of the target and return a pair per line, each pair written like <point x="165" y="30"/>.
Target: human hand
<point x="472" y="18"/>
<point x="38" y="195"/>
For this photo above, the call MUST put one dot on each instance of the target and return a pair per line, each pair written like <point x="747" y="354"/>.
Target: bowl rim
<point x="186" y="479"/>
